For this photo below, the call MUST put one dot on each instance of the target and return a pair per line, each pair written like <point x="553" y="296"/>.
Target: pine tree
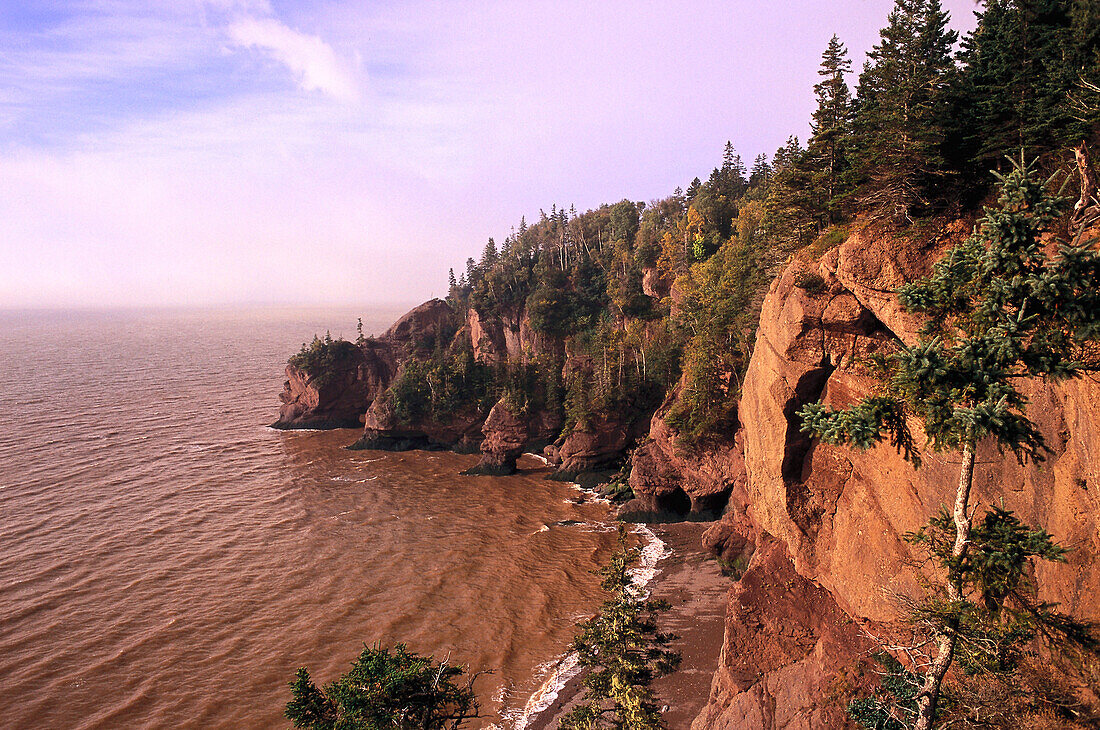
<point x="827" y="153"/>
<point x="1023" y="66"/>
<point x="488" y="255"/>
<point x="761" y="172"/>
<point x="899" y="122"/>
<point x="623" y="652"/>
<point x="1000" y="311"/>
<point x="731" y="175"/>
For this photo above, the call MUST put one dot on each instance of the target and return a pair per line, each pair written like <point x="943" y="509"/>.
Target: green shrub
<point x="322" y="357"/>
<point x="384" y="690"/>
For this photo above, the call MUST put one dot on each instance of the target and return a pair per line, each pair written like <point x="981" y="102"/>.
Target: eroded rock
<point x="505" y="436"/>
<point x="340" y="397"/>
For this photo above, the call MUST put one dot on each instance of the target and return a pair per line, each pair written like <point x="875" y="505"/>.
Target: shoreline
<point x="693" y="583"/>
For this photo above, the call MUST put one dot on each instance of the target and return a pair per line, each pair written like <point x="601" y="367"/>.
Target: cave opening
<point x="676" y="502"/>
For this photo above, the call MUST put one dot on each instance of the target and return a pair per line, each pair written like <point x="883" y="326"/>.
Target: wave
<point x="561" y="670"/>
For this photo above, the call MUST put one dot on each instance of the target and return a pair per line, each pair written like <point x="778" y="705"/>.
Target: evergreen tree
<point x="789" y="220"/>
<point x="1000" y="311"/>
<point x="623" y="652"/>
<point x="827" y="153"/>
<point x="731" y="175"/>
<point x="1023" y="66"/>
<point x="899" y="121"/>
<point x="489" y="255"/>
<point x="384" y="690"/>
<point x="761" y="172"/>
<point x="693" y="189"/>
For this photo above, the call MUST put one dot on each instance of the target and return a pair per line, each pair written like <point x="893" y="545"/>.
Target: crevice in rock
<point x="797" y="445"/>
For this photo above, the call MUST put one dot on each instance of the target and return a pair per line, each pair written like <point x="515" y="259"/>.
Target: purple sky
<point x="224" y="151"/>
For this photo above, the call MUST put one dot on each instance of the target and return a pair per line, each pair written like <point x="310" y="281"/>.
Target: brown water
<point x="167" y="561"/>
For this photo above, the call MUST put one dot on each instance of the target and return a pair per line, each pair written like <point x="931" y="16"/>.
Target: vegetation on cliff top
<point x="647" y="292"/>
<point x="323" y="357"/>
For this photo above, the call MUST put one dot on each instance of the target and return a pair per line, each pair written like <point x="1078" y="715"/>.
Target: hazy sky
<point x="220" y="151"/>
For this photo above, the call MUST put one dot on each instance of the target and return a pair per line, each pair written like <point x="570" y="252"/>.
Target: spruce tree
<point x="1000" y="310"/>
<point x="1023" y="67"/>
<point x="760" y="174"/>
<point x="900" y="116"/>
<point x="623" y="653"/>
<point x="827" y="152"/>
<point x="788" y="205"/>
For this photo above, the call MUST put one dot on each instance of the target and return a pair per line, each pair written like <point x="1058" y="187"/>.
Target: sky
<point x="213" y="152"/>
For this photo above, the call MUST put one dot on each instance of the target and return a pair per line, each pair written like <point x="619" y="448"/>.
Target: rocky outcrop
<point x="672" y="480"/>
<point x="595" y="445"/>
<point x="505" y="436"/>
<point x="338" y="397"/>
<point x="654" y="283"/>
<point x="789" y="656"/>
<point x="836" y="516"/>
<point x="384" y="431"/>
<point x="510" y="337"/>
<point x="423" y="328"/>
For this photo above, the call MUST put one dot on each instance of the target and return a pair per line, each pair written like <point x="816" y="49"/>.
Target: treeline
<point x="649" y="291"/>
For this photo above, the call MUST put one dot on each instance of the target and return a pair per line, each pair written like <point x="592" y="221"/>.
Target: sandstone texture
<point x="784" y="637"/>
<point x="654" y="283"/>
<point x="422" y="327"/>
<point x="670" y="479"/>
<point x="507" y="338"/>
<point x="505" y="436"/>
<point x="337" y="399"/>
<point x="595" y="445"/>
<point x="820" y="527"/>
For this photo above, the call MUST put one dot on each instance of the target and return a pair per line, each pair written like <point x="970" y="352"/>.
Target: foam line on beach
<point x="567" y="667"/>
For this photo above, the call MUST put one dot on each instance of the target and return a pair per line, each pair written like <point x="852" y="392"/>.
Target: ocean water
<point x="168" y="561"/>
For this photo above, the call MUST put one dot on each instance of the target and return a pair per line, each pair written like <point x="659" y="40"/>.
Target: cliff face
<point x="824" y="525"/>
<point x="340" y="396"/>
<point x="813" y="533"/>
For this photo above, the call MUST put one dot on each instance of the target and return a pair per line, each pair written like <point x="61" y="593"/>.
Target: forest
<point x="651" y="294"/>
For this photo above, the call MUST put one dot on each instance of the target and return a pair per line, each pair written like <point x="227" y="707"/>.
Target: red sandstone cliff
<point x="339" y="398"/>
<point x="817" y="529"/>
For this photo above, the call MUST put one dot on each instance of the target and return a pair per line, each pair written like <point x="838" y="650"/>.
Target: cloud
<point x="312" y="61"/>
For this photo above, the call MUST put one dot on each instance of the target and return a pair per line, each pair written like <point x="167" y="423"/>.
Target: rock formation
<point x="505" y="437"/>
<point x="383" y="430"/>
<point x="339" y="397"/>
<point x="595" y="445"/>
<point x="823" y="525"/>
<point x="672" y="480"/>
